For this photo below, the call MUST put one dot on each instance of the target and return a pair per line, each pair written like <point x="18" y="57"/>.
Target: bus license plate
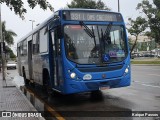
<point x="104" y="88"/>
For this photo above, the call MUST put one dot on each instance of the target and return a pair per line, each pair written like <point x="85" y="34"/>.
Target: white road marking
<point x="144" y="84"/>
<point x="151" y="86"/>
<point x="154" y="75"/>
<point x="147" y="68"/>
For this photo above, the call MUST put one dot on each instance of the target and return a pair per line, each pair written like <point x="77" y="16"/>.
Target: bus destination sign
<point x="92" y="16"/>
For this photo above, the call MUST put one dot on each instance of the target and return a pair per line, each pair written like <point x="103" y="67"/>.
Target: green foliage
<point x="10" y="52"/>
<point x="152" y="12"/>
<point x="8" y="34"/>
<point x="18" y="5"/>
<point x="136" y="27"/>
<point x="144" y="46"/>
<point x="130" y="43"/>
<point x="146" y="62"/>
<point x="89" y="4"/>
<point x="8" y="37"/>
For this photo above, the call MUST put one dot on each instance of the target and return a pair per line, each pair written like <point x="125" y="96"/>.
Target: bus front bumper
<point x="77" y="86"/>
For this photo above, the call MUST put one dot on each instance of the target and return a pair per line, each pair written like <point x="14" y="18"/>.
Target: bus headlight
<point x="126" y="70"/>
<point x="73" y="75"/>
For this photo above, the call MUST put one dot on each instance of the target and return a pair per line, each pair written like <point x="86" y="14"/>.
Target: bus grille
<point x="100" y="69"/>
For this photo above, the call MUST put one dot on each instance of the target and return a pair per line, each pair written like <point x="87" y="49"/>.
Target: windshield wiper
<point x="102" y="38"/>
<point x="107" y="31"/>
<point x="88" y="31"/>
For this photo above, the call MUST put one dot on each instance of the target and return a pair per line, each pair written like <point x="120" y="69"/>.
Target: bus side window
<point x="36" y="43"/>
<point x="43" y="38"/>
<point x="21" y="49"/>
<point x="18" y="49"/>
<point x="25" y="47"/>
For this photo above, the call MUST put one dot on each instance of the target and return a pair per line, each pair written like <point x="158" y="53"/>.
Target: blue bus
<point x="76" y="50"/>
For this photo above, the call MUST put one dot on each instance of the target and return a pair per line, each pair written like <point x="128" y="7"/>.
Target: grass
<point x="146" y="61"/>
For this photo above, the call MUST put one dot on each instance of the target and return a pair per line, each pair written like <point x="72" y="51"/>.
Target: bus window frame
<point x="21" y="48"/>
<point x="125" y="39"/>
<point x="34" y="52"/>
<point x="47" y="38"/>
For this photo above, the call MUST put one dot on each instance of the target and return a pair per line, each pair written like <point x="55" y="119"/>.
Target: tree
<point x="8" y="34"/>
<point x="152" y="12"/>
<point x="10" y="53"/>
<point x="144" y="46"/>
<point x="136" y="28"/>
<point x="8" y="37"/>
<point x="130" y="43"/>
<point x="17" y="5"/>
<point x="90" y="4"/>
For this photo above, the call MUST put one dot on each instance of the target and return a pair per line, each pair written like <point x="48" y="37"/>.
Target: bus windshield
<point x="95" y="44"/>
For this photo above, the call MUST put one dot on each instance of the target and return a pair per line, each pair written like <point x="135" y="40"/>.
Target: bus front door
<point x="56" y="66"/>
<point x="30" y="59"/>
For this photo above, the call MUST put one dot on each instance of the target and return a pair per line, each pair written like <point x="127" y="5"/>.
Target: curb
<point x="8" y="80"/>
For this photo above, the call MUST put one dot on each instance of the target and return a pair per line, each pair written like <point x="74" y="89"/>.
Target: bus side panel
<point x="38" y="68"/>
<point x="45" y="66"/>
<point x="39" y="63"/>
<point x="26" y="67"/>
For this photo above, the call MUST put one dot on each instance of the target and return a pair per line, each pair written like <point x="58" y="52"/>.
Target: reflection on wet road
<point x="75" y="106"/>
<point x="140" y="96"/>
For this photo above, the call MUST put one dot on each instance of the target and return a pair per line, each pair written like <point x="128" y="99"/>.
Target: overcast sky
<point x="22" y="27"/>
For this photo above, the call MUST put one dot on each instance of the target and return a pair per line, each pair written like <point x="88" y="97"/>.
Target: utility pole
<point x="118" y="6"/>
<point x="2" y="52"/>
<point x="32" y="23"/>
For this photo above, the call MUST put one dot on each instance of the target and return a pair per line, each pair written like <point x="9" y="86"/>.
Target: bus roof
<point x="52" y="16"/>
<point x="82" y="9"/>
<point x="37" y="28"/>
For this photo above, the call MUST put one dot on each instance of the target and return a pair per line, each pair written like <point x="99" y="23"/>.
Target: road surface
<point x="142" y="95"/>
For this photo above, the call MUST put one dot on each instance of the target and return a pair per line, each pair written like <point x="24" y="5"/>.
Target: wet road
<point x="142" y="95"/>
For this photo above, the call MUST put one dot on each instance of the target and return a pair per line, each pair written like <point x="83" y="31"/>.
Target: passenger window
<point x="43" y="40"/>
<point x="23" y="48"/>
<point x="36" y="43"/>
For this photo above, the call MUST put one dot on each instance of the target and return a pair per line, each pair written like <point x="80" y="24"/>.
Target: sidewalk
<point x="11" y="99"/>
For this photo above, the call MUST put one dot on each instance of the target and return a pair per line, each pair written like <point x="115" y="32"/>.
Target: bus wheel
<point x="46" y="84"/>
<point x="26" y="82"/>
